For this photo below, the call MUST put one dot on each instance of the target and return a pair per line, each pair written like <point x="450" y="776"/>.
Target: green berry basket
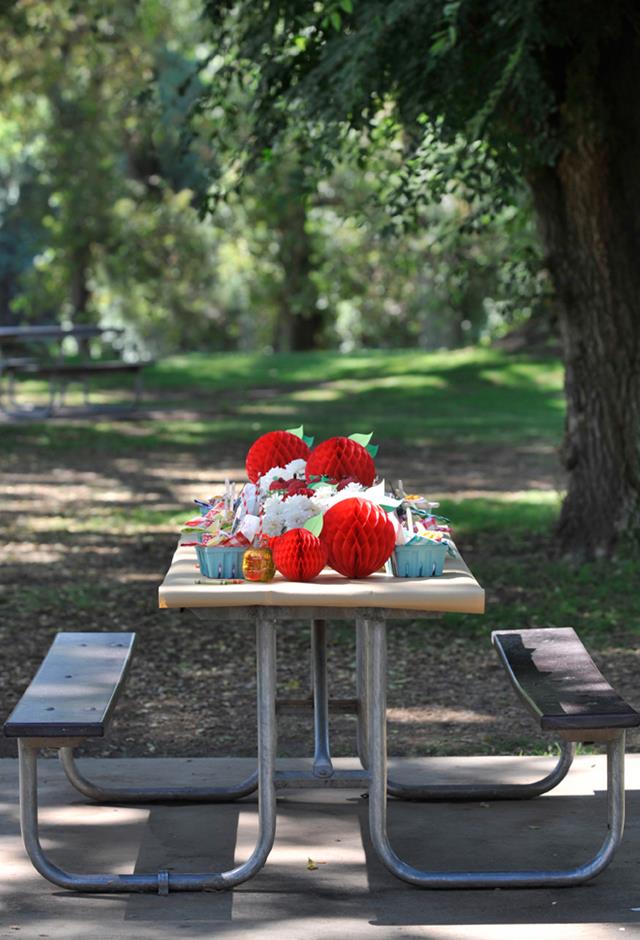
<point x="418" y="561"/>
<point x="217" y="562"/>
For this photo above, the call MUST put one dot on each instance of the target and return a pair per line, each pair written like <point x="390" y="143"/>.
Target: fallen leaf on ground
<point x="312" y="866"/>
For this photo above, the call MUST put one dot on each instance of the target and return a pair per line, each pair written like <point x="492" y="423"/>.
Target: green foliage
<point x="133" y="116"/>
<point x="476" y="87"/>
<point x="115" y="235"/>
<point x="395" y="136"/>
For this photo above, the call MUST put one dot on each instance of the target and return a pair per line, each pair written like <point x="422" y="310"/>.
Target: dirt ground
<point x="191" y="690"/>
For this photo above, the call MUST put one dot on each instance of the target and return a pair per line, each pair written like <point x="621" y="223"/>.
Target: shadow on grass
<point x="413" y="398"/>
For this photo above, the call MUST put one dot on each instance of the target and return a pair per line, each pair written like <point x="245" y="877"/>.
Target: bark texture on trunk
<point x="589" y="208"/>
<point x="300" y="323"/>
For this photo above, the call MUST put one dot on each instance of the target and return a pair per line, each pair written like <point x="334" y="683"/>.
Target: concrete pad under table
<point x="349" y="895"/>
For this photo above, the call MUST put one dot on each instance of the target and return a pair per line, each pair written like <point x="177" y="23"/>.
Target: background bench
<point x="40" y="362"/>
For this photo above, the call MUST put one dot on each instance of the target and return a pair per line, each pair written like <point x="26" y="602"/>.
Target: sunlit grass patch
<point x="468" y="396"/>
<point x="111" y="520"/>
<point x="534" y="511"/>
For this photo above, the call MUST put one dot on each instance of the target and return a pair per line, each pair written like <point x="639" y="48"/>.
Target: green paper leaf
<point x="389" y="504"/>
<point x="372" y="449"/>
<point x="314" y="524"/>
<point x="361" y="438"/>
<point x="308" y="440"/>
<point x="317" y="484"/>
<point x="299" y="432"/>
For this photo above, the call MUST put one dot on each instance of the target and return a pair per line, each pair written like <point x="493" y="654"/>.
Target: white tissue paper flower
<point x="273" y="516"/>
<point x="353" y="489"/>
<point x="297" y="509"/>
<point x="296" y="468"/>
<point x="348" y="492"/>
<point x="323" y="495"/>
<point x="265" y="481"/>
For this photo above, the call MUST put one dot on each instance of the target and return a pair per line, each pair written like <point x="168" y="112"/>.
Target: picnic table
<point x="72" y="698"/>
<point x="369" y="603"/>
<point x="38" y="352"/>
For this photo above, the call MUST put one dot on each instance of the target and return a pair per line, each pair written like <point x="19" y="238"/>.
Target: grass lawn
<point x="470" y="396"/>
<point x="90" y="506"/>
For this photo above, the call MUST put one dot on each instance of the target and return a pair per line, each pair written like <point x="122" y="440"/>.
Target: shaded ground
<point x="87" y="548"/>
<point x="89" y="511"/>
<point x="346" y="892"/>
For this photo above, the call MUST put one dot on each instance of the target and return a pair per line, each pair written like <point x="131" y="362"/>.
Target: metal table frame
<point x="370" y="707"/>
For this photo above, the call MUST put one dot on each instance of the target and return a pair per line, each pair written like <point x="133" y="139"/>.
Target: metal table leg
<point x="362" y="732"/>
<point x="322" y="766"/>
<point x="165" y="881"/>
<point x="449" y="792"/>
<point x="376" y="693"/>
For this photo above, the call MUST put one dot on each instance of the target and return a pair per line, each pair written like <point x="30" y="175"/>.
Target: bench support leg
<point x="376" y="690"/>
<point x="449" y="793"/>
<point x="138" y="389"/>
<point x="165" y="881"/>
<point x="14" y="409"/>
<point x="102" y="794"/>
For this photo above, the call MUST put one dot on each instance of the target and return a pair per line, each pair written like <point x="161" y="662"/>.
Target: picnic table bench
<point x="74" y="692"/>
<point x="37" y="352"/>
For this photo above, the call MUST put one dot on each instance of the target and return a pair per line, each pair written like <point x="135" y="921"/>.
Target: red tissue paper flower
<point x="359" y="537"/>
<point x="274" y="449"/>
<point x="298" y="555"/>
<point x="340" y="457"/>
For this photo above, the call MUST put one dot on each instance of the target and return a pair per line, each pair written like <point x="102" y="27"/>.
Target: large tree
<point x="516" y="90"/>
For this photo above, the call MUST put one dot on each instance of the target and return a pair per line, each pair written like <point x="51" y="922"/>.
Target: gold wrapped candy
<point x="257" y="564"/>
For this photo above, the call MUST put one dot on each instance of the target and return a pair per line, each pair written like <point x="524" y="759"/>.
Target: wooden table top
<point x="455" y="591"/>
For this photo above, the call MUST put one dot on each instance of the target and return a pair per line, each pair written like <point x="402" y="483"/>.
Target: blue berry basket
<point x="217" y="562"/>
<point x="418" y="561"/>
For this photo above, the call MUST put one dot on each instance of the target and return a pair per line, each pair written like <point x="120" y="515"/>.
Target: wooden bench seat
<point x="559" y="683"/>
<point x="75" y="690"/>
<point x="70" y="369"/>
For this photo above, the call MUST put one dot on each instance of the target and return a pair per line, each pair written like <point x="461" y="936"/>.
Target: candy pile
<point x="419" y="524"/>
<point x="305" y="507"/>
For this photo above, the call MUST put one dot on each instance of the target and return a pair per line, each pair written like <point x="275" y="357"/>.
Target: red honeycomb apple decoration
<point x="359" y="537"/>
<point x="274" y="449"/>
<point x="299" y="555"/>
<point x="341" y="457"/>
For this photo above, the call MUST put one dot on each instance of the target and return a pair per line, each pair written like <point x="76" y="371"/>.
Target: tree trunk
<point x="79" y="292"/>
<point x="589" y="208"/>
<point x="300" y="323"/>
